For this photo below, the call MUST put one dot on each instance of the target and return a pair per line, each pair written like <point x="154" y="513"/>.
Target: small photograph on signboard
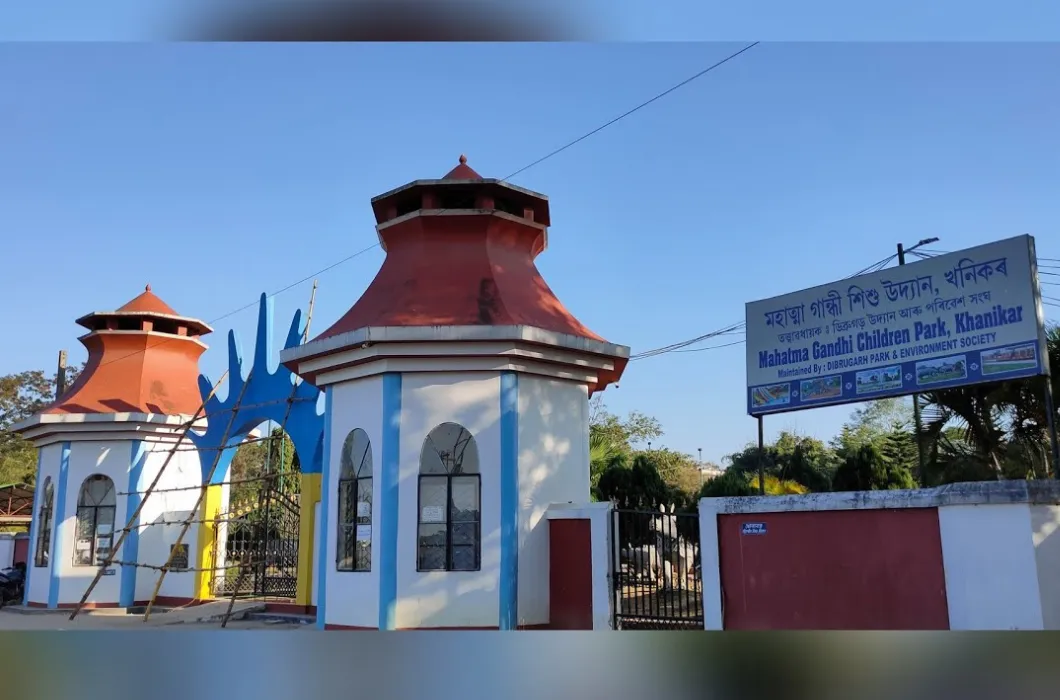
<point x="821" y="388"/>
<point x="943" y="369"/>
<point x="772" y="395"/>
<point x="1012" y="359"/>
<point x="870" y="381"/>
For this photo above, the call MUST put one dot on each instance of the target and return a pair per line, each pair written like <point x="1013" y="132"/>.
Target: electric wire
<point x="523" y="169"/>
<point x="639" y="107"/>
<point x="736" y="327"/>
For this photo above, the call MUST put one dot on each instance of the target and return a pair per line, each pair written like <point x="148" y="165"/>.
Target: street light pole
<point x="917" y="423"/>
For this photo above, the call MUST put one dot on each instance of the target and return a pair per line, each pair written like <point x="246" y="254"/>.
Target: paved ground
<point x="245" y="616"/>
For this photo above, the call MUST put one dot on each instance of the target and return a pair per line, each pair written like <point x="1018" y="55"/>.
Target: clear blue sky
<point x="215" y="172"/>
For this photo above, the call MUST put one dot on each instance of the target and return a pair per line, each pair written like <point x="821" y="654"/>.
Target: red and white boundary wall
<point x="974" y="556"/>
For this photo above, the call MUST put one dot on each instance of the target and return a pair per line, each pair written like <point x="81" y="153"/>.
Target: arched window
<point x="450" y="528"/>
<point x="44" y="524"/>
<point x="354" y="549"/>
<point x="94" y="535"/>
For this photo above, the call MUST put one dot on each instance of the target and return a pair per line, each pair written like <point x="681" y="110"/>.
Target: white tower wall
<point x="553" y="468"/>
<point x="352" y="596"/>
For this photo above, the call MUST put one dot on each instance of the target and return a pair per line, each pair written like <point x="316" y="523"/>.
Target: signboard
<point x="432" y="514"/>
<point x="964" y="318"/>
<point x="753" y="529"/>
<point x="178" y="557"/>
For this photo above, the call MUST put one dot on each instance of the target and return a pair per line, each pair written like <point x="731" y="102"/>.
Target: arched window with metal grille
<point x="94" y="535"/>
<point x="449" y="536"/>
<point x="42" y="553"/>
<point x="354" y="548"/>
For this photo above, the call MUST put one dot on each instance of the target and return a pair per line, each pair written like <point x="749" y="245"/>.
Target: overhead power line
<point x="540" y="160"/>
<point x="735" y="327"/>
<point x="639" y="107"/>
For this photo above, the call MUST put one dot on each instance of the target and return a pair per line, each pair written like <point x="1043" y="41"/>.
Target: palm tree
<point x="1003" y="426"/>
<point x="602" y="452"/>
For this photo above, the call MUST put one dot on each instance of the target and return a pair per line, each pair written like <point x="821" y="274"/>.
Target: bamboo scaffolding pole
<point x="136" y="513"/>
<point x="235" y="592"/>
<point x="202" y="496"/>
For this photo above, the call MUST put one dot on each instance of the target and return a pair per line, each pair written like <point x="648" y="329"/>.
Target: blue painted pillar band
<point x="509" y="468"/>
<point x="131" y="548"/>
<point x="59" y="527"/>
<point x="34" y="525"/>
<point x="326" y="493"/>
<point x="388" y="497"/>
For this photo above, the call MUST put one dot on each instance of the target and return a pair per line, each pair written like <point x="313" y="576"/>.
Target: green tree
<point x="602" y="451"/>
<point x="254" y="458"/>
<point x="623" y="435"/>
<point x="612" y="438"/>
<point x="679" y="471"/>
<point x="868" y="470"/>
<point x="633" y="483"/>
<point x="871" y="424"/>
<point x="803" y="460"/>
<point x="997" y="430"/>
<point x="899" y="447"/>
<point x="728" y="484"/>
<point x="22" y="395"/>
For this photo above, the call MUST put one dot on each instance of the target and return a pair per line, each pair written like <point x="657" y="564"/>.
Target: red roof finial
<point x="147" y="288"/>
<point x="462" y="171"/>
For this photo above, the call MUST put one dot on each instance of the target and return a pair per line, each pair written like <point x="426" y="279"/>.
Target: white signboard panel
<point x="964" y="318"/>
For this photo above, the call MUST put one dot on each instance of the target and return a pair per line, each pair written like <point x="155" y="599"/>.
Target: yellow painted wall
<point x="211" y="508"/>
<point x="310" y="489"/>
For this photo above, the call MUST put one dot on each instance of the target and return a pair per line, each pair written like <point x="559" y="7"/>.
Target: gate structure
<point x="655" y="570"/>
<point x="263" y="532"/>
<point x="259" y="543"/>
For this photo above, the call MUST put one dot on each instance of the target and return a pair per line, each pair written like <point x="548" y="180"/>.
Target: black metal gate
<point x="655" y="570"/>
<point x="260" y="546"/>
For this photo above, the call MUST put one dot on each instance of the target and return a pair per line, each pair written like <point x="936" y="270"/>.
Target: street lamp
<point x="902" y="250"/>
<point x="917" y="424"/>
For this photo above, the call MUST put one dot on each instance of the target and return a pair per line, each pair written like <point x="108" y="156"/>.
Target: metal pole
<point x="761" y="459"/>
<point x="1050" y="410"/>
<point x="917" y="421"/>
<point x="60" y="376"/>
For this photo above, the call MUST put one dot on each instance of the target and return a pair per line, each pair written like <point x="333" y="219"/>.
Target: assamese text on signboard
<point x="956" y="319"/>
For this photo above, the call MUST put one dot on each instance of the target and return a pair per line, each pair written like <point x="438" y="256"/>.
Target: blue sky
<point x="216" y="172"/>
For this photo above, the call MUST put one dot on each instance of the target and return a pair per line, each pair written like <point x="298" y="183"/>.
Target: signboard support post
<point x="918" y="423"/>
<point x="761" y="459"/>
<point x="1050" y="410"/>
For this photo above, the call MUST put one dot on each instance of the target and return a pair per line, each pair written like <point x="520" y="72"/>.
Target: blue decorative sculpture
<point x="269" y="385"/>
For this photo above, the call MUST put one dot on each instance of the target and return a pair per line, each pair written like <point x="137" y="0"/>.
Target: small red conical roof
<point x="148" y="303"/>
<point x="462" y="172"/>
<point x="142" y="358"/>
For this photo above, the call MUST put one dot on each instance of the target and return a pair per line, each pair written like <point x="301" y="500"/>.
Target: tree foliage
<point x="21" y="396"/>
<point x="258" y="457"/>
<point x="869" y="470"/>
<point x="802" y="460"/>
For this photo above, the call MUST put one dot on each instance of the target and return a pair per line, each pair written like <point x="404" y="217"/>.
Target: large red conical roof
<point x="465" y="264"/>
